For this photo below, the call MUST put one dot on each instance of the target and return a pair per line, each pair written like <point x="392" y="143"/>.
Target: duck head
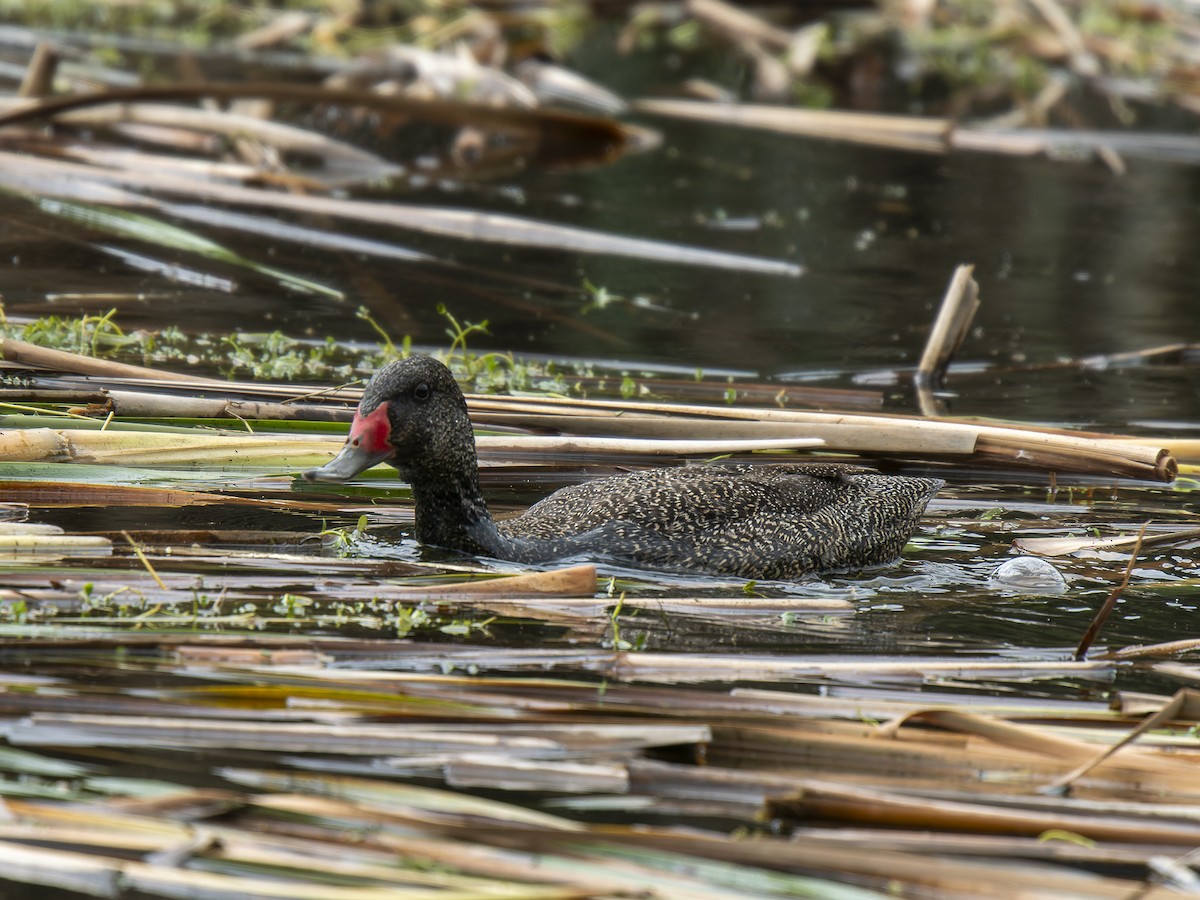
<point x="412" y="415"/>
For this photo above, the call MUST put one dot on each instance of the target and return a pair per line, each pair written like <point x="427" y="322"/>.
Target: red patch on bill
<point x="372" y="430"/>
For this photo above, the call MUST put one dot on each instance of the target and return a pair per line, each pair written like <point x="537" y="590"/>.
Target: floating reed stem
<point x="290" y="451"/>
<point x="28" y="354"/>
<point x="958" y="308"/>
<point x="1052" y="450"/>
<point x="897" y="435"/>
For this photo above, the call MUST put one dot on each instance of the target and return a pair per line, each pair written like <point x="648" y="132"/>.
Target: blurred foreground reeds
<point x="377" y="769"/>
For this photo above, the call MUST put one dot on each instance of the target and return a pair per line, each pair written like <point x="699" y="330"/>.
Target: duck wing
<point x="676" y="499"/>
<point x="770" y="521"/>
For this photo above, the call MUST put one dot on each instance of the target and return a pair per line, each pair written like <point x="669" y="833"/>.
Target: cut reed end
<point x="1166" y="467"/>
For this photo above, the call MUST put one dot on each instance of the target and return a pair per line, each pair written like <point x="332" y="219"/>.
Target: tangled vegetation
<point x="957" y="57"/>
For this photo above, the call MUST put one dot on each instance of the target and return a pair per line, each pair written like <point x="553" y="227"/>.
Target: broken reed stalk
<point x="291" y="451"/>
<point x="958" y="309"/>
<point x="62" y="494"/>
<point x="574" y="581"/>
<point x="85" y="407"/>
<point x="28" y="354"/>
<point x="925" y="135"/>
<point x="39" y="74"/>
<point x="1084" y="455"/>
<point x="1059" y="20"/>
<point x="1043" y="449"/>
<point x="148" y="405"/>
<point x="137" y="551"/>
<point x="151" y="404"/>
<point x="1183" y="700"/>
<point x="838" y="803"/>
<point x="1047" y="449"/>
<point x="586" y="427"/>
<point x="287" y="451"/>
<point x="1110" y="602"/>
<point x="913" y="133"/>
<point x="52" y="545"/>
<point x="1067" y="545"/>
<point x="1145" y="651"/>
<point x="285" y="26"/>
<point x="738" y="25"/>
<point x="675" y="419"/>
<point x="598" y="131"/>
<point x="152" y="448"/>
<point x="655" y="446"/>
<point x="146" y="397"/>
<point x="338" y="156"/>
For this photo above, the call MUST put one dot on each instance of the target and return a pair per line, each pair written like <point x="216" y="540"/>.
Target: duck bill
<point x="348" y="463"/>
<point x="366" y="446"/>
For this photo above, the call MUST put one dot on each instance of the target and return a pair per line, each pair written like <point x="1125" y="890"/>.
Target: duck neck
<point x="451" y="511"/>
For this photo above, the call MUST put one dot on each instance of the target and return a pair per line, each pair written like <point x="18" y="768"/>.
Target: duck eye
<point x="421" y="392"/>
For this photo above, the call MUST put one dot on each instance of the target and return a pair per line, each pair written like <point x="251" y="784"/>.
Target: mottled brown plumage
<point x="774" y="521"/>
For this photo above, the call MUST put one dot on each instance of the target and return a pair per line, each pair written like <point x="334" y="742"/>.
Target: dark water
<point x="1072" y="261"/>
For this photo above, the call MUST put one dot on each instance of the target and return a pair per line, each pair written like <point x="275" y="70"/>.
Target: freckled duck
<point x="771" y="521"/>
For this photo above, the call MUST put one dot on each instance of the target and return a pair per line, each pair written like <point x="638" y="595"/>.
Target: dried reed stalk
<point x="871" y="129"/>
<point x="737" y="24"/>
<point x="151" y="448"/>
<point x="594" y="130"/>
<point x="1018" y="445"/>
<point x="28" y="354"/>
<point x="575" y="581"/>
<point x="845" y="804"/>
<point x="1066" y="546"/>
<point x="1048" y="449"/>
<point x="1110" y="602"/>
<point x="958" y="308"/>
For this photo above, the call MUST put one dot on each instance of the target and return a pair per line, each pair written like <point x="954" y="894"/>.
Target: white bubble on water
<point x="1027" y="575"/>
